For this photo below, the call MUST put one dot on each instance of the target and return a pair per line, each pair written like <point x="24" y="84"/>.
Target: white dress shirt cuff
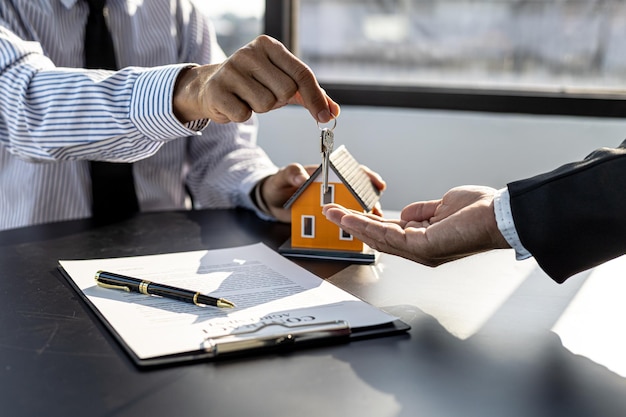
<point x="151" y="105"/>
<point x="504" y="218"/>
<point x="251" y="193"/>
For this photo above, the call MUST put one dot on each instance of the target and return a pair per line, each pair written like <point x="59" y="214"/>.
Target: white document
<point x="270" y="293"/>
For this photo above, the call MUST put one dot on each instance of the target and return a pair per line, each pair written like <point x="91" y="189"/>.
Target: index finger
<point x="309" y="95"/>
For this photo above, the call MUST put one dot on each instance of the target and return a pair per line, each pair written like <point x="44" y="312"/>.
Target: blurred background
<point x="493" y="51"/>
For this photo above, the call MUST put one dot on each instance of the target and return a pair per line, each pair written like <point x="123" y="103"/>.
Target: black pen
<point x="129" y="284"/>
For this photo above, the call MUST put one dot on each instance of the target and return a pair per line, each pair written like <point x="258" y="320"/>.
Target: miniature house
<point x="349" y="185"/>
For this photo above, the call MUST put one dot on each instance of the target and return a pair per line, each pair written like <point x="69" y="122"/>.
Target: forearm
<point x="227" y="165"/>
<point x="60" y="113"/>
<point x="573" y="219"/>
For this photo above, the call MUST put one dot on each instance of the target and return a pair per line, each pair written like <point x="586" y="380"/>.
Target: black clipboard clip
<point x="290" y="335"/>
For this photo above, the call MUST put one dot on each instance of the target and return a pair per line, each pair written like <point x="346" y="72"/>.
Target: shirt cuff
<point x="506" y="225"/>
<point x="257" y="198"/>
<point x="251" y="191"/>
<point x="152" y="109"/>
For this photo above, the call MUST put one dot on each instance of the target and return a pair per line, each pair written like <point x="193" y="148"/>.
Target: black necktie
<point x="112" y="184"/>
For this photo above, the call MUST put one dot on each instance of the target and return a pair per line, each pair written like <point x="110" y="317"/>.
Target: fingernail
<point x="324" y="116"/>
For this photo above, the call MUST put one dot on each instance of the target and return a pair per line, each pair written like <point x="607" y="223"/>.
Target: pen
<point x="130" y="284"/>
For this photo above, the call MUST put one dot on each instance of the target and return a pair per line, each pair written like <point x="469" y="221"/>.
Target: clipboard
<point x="245" y="340"/>
<point x="252" y="343"/>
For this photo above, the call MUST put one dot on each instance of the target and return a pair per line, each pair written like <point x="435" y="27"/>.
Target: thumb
<point x="296" y="174"/>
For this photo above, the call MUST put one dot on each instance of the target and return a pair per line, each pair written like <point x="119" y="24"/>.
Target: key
<point x="327" y="141"/>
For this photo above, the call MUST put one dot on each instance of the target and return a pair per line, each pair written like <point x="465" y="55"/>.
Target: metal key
<point x="327" y="141"/>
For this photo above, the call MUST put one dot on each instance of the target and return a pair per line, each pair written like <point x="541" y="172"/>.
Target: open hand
<point x="431" y="232"/>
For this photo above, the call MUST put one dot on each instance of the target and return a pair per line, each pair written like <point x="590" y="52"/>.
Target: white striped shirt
<point x="54" y="118"/>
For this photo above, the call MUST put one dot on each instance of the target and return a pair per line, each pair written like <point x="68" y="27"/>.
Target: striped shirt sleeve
<point x="56" y="117"/>
<point x="72" y="114"/>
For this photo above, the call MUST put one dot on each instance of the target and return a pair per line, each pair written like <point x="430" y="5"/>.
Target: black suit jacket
<point x="574" y="218"/>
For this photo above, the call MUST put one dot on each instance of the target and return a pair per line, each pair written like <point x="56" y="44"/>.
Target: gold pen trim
<point x="195" y="300"/>
<point x="143" y="287"/>
<point x="225" y="303"/>
<point x="110" y="286"/>
<point x="113" y="287"/>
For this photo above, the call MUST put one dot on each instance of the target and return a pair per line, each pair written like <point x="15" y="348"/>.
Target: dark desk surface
<point x="490" y="337"/>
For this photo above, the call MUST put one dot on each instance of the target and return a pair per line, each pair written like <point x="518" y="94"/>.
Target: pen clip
<point x="113" y="287"/>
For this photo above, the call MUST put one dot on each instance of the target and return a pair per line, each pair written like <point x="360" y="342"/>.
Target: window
<point x="236" y="22"/>
<point x="344" y="235"/>
<point x="539" y="56"/>
<point x="329" y="196"/>
<point x="308" y="226"/>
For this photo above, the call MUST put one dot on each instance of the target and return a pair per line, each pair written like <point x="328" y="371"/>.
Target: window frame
<point x="330" y="193"/>
<point x="280" y="22"/>
<point x="343" y="235"/>
<point x="303" y="226"/>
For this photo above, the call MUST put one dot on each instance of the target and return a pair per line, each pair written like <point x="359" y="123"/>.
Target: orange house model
<point x="312" y="235"/>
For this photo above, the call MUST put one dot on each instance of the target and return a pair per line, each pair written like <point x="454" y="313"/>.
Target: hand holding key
<point x="327" y="140"/>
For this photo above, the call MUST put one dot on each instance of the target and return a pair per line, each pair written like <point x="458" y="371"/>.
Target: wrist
<point x="186" y="99"/>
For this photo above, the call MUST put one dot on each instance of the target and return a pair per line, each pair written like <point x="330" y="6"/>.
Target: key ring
<point x="331" y="128"/>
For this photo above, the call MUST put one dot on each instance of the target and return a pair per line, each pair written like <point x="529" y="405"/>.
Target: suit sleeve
<point x="574" y="218"/>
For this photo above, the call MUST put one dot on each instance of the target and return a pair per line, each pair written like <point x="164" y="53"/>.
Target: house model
<point x="312" y="235"/>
